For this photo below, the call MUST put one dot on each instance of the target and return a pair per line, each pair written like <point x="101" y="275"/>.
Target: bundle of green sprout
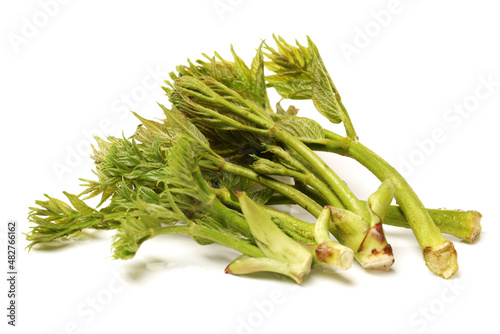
<point x="209" y="170"/>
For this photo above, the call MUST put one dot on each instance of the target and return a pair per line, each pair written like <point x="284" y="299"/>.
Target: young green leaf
<point x="292" y="65"/>
<point x="249" y="82"/>
<point x="301" y="74"/>
<point x="301" y="127"/>
<point x="54" y="219"/>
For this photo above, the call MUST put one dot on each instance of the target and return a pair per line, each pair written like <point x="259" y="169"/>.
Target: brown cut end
<point x="377" y="232"/>
<point x="337" y="257"/>
<point x="388" y="250"/>
<point x="380" y="256"/>
<point x="228" y="270"/>
<point x="379" y="261"/>
<point x="442" y="259"/>
<point x="323" y="252"/>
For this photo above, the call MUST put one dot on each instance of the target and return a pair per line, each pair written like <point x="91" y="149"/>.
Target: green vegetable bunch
<point x="215" y="167"/>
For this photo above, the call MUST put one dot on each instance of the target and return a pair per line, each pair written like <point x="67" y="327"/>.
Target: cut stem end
<point x="476" y="228"/>
<point x="339" y="257"/>
<point x="382" y="260"/>
<point x="442" y="259"/>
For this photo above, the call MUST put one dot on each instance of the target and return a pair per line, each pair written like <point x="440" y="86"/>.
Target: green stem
<point x="325" y="250"/>
<point x="353" y="233"/>
<point x="349" y="127"/>
<point x="285" y="189"/>
<point x="199" y="94"/>
<point x="309" y="192"/>
<point x="206" y="233"/>
<point x="439" y="253"/>
<point x="424" y="228"/>
<point x="465" y="225"/>
<point x="230" y="217"/>
<point x="267" y="167"/>
<point x="290" y="224"/>
<point x="233" y="219"/>
<point x="223" y="118"/>
<point x="338" y="185"/>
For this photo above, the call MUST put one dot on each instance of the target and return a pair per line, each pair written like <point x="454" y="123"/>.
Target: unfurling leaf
<point x="301" y="74"/>
<point x="292" y="65"/>
<point x="323" y="94"/>
<point x="249" y="82"/>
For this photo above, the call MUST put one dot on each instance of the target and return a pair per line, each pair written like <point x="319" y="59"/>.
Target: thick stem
<point x="465" y="225"/>
<point x="189" y="87"/>
<point x="325" y="250"/>
<point x="233" y="219"/>
<point x="370" y="247"/>
<point x="355" y="234"/>
<point x="331" y="178"/>
<point x="330" y="252"/>
<point x="439" y="253"/>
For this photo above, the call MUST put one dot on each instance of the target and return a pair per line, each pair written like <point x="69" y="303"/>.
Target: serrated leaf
<point x="245" y="183"/>
<point x="154" y="175"/>
<point x="135" y="174"/>
<point x="289" y="87"/>
<point x="78" y="204"/>
<point x="249" y="82"/>
<point x="301" y="74"/>
<point x="323" y="94"/>
<point x="107" y="193"/>
<point x="230" y="181"/>
<point x="148" y="195"/>
<point x="180" y="124"/>
<point x="183" y="172"/>
<point x="152" y="126"/>
<point x="302" y="127"/>
<point x="55" y="205"/>
<point x="133" y="231"/>
<point x="258" y="80"/>
<point x="292" y="65"/>
<point x="261" y="196"/>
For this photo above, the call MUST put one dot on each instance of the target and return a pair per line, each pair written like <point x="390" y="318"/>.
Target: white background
<point x="78" y="70"/>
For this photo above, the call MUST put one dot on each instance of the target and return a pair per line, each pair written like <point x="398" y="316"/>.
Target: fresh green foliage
<point x="249" y="82"/>
<point x="210" y="170"/>
<point x="300" y="74"/>
<point x="54" y="219"/>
